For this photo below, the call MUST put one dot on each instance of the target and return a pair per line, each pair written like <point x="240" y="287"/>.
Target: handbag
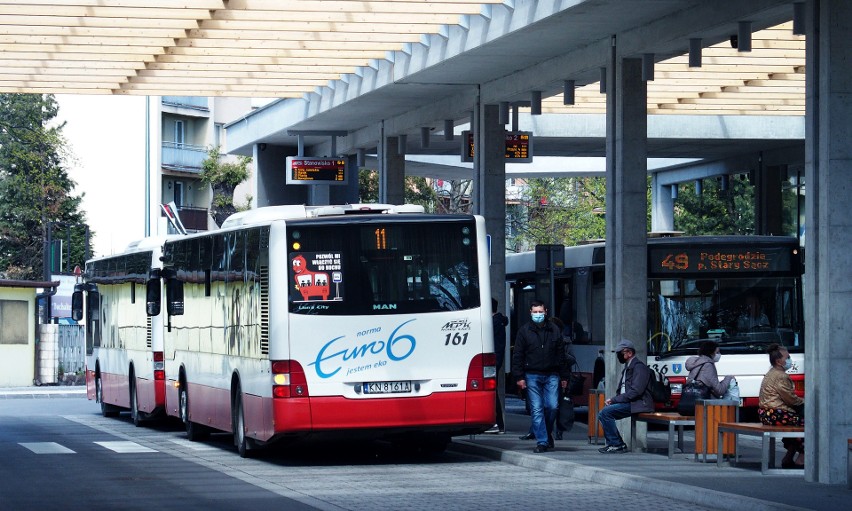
<point x="692" y="391"/>
<point x="565" y="418"/>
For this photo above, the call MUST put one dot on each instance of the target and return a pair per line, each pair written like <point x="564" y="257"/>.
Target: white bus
<point x="699" y="289"/>
<point x="124" y="341"/>
<point x="361" y="320"/>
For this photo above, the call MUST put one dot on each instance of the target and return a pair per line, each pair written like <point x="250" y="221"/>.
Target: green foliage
<point x="224" y="177"/>
<point x="417" y="190"/>
<point x="35" y="189"/>
<point x="715" y="211"/>
<point x="557" y="210"/>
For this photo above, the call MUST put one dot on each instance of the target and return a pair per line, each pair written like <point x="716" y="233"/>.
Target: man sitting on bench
<point x="631" y="396"/>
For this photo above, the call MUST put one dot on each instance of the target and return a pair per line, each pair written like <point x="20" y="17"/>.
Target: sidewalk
<point x="681" y="478"/>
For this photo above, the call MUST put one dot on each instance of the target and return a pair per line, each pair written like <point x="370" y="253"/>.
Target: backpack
<point x="658" y="386"/>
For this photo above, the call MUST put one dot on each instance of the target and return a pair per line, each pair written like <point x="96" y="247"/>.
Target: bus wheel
<point x="137" y="416"/>
<point x="106" y="410"/>
<point x="245" y="445"/>
<point x="194" y="432"/>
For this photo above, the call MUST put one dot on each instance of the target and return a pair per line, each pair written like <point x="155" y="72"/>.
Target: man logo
<point x="384" y="306"/>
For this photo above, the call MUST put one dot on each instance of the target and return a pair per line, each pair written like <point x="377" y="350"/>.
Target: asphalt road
<point x="60" y="454"/>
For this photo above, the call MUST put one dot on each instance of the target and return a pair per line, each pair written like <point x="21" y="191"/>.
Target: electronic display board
<point x="684" y="260"/>
<point x="316" y="171"/>
<point x="519" y="146"/>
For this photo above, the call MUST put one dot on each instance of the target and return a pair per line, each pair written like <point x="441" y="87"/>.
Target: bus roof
<point x="296" y="211"/>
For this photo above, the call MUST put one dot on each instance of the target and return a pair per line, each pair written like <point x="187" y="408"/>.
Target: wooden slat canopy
<point x="288" y="48"/>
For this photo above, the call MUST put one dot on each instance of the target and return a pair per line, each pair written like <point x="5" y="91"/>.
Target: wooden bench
<point x="768" y="434"/>
<point x="674" y="421"/>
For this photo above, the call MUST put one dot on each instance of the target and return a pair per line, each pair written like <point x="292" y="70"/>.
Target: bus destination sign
<point x="519" y="147"/>
<point x="672" y="260"/>
<point x="316" y="171"/>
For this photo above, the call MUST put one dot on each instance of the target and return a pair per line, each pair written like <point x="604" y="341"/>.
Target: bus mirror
<point x="152" y="297"/>
<point x="174" y="297"/>
<point x="93" y="304"/>
<point x="77" y="305"/>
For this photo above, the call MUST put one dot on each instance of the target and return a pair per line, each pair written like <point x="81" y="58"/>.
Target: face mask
<point x="620" y="356"/>
<point x="788" y="364"/>
<point x="537" y="317"/>
<point x="716" y="357"/>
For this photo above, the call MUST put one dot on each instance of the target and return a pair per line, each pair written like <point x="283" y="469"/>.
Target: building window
<point x="179" y="194"/>
<point x="179" y="132"/>
<point x="14" y="322"/>
<point x="218" y="134"/>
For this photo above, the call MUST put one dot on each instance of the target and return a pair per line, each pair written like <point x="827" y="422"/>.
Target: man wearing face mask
<point x="631" y="396"/>
<point x="539" y="366"/>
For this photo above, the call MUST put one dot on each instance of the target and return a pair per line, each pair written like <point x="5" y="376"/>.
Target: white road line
<point x="125" y="447"/>
<point x="46" y="448"/>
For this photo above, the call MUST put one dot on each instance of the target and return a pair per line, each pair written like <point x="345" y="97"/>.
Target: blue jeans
<point x="543" y="395"/>
<point x="607" y="417"/>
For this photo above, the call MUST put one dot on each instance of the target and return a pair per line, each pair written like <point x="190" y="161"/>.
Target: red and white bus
<point x="360" y="321"/>
<point x="699" y="288"/>
<point x="124" y="342"/>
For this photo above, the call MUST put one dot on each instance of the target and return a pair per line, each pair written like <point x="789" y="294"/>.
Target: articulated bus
<point x="744" y="292"/>
<point x="124" y="344"/>
<point x="358" y="321"/>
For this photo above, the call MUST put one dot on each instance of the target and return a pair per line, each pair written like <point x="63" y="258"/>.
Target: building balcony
<point x="194" y="102"/>
<point x="183" y="157"/>
<point x="193" y="219"/>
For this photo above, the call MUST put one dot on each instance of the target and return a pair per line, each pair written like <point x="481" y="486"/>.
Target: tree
<point x="35" y="190"/>
<point x="224" y="177"/>
<point x="417" y="189"/>
<point x="715" y="211"/>
<point x="557" y="210"/>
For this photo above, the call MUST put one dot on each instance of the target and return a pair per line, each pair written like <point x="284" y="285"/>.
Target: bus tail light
<point x="288" y="379"/>
<point x="676" y="383"/>
<point x="159" y="366"/>
<point x="798" y="384"/>
<point x="482" y="373"/>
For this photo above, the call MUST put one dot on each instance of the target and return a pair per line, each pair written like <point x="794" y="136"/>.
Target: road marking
<point x="46" y="448"/>
<point x="195" y="446"/>
<point x="124" y="447"/>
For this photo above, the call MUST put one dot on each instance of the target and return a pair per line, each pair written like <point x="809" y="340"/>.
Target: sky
<point x="106" y="135"/>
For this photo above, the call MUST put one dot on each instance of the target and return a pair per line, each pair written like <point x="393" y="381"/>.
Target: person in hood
<point x="703" y="368"/>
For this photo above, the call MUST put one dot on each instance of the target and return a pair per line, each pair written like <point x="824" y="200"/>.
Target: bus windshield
<point x="742" y="315"/>
<point x="383" y="268"/>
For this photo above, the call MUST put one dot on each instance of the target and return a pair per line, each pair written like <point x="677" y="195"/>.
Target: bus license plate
<point x="387" y="387"/>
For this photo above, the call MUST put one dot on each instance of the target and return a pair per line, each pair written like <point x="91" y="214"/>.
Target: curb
<point x="683" y="492"/>
<point x="43" y="392"/>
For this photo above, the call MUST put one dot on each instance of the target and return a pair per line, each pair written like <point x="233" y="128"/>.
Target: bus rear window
<point x="382" y="267"/>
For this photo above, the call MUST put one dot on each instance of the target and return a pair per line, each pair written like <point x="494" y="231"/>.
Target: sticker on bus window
<point x="317" y="276"/>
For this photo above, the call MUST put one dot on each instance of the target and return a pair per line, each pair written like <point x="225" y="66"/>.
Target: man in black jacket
<point x="631" y="396"/>
<point x="538" y="365"/>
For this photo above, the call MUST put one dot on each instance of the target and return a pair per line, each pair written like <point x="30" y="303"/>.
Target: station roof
<point x="348" y="65"/>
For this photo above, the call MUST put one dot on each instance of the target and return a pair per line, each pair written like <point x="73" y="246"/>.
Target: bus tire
<point x="194" y="432"/>
<point x="106" y="410"/>
<point x="135" y="415"/>
<point x="245" y="445"/>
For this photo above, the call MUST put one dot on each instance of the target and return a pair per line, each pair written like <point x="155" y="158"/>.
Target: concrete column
<point x="626" y="210"/>
<point x="768" y="204"/>
<point x="662" y="206"/>
<point x="828" y="249"/>
<point x="492" y="186"/>
<point x="391" y="171"/>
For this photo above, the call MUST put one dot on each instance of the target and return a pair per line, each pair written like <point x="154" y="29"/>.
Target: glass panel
<point x="742" y="315"/>
<point x="383" y="268"/>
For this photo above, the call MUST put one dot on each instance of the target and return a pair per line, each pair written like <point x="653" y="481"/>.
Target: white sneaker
<point x="493" y="430"/>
